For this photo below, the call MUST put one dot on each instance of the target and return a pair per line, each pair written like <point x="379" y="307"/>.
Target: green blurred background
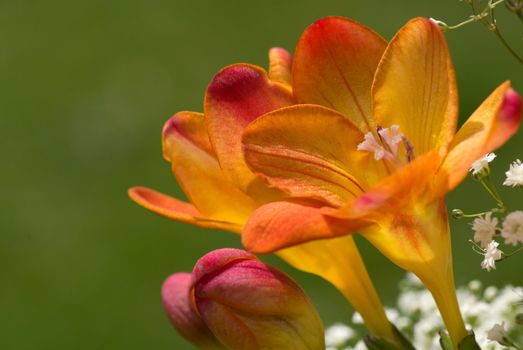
<point x="86" y="86"/>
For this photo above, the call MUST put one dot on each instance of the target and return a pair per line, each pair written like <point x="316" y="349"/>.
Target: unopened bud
<point x="177" y="303"/>
<point x="250" y="305"/>
<point x="457" y="213"/>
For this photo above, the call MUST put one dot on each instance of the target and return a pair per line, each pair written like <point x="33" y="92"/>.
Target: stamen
<point x="371" y="145"/>
<point x="387" y="145"/>
<point x="409" y="149"/>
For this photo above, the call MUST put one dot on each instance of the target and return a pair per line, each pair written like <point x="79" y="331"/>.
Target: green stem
<point x="507" y="46"/>
<point x="496" y="194"/>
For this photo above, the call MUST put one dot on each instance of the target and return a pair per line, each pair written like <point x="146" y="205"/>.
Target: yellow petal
<point x="334" y="65"/>
<point x="491" y="125"/>
<point x="175" y="209"/>
<point x="280" y="64"/>
<point x="187" y="147"/>
<point x="415" y="87"/>
<point x="307" y="151"/>
<point x="338" y="261"/>
<point x="416" y="237"/>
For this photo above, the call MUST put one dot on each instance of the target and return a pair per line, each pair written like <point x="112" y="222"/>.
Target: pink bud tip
<point x="178" y="306"/>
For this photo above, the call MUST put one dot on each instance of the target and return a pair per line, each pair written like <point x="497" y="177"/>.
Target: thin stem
<point x="499" y="201"/>
<point x="492" y="194"/>
<point x="486" y="16"/>
<point x="507" y="46"/>
<point x="512" y="253"/>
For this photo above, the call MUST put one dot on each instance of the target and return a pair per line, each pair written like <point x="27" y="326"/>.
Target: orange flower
<point x="377" y="160"/>
<point x="205" y="152"/>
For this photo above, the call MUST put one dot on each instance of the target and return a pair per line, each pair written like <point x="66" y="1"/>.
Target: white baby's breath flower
<point x="512" y="229"/>
<point x="338" y="334"/>
<point x="481" y="164"/>
<point x="356" y="318"/>
<point x="514" y="174"/>
<point x="492" y="254"/>
<point x="484" y="229"/>
<point x="497" y="332"/>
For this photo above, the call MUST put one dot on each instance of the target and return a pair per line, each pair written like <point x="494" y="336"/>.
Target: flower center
<point x="387" y="146"/>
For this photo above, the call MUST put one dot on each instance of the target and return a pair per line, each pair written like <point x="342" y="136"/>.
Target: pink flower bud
<point x="250" y="305"/>
<point x="177" y="303"/>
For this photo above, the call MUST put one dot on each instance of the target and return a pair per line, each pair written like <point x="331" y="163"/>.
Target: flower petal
<point x="415" y="87"/>
<point x="187" y="146"/>
<point x="414" y="183"/>
<point x="237" y="95"/>
<point x="334" y="65"/>
<point x="491" y="125"/>
<point x="175" y="209"/>
<point x="307" y="151"/>
<point x="338" y="261"/>
<point x="280" y="63"/>
<point x="279" y="225"/>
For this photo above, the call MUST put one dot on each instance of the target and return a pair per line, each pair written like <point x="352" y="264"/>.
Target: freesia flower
<point x="249" y="305"/>
<point x="205" y="153"/>
<point x="373" y="152"/>
<point x="234" y="301"/>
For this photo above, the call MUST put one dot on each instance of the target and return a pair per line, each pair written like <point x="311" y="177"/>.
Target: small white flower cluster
<point x="481" y="165"/>
<point x="514" y="175"/>
<point x="485" y="229"/>
<point x="491" y="312"/>
<point x="485" y="226"/>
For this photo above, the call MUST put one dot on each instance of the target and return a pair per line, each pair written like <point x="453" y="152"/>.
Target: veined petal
<point x="491" y="125"/>
<point x="187" y="146"/>
<point x="279" y="225"/>
<point x="334" y="65"/>
<point x="280" y="65"/>
<point x="175" y="209"/>
<point x="307" y="151"/>
<point x="237" y="95"/>
<point x="414" y="183"/>
<point x="415" y="87"/>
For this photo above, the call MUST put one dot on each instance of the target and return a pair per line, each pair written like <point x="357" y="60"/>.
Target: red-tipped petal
<point x="491" y="125"/>
<point x="175" y="209"/>
<point x="334" y="65"/>
<point x="236" y="96"/>
<point x="186" y="145"/>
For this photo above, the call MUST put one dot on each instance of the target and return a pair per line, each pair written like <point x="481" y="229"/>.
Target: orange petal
<point x="174" y="209"/>
<point x="187" y="146"/>
<point x="284" y="224"/>
<point x="334" y="65"/>
<point x="280" y="63"/>
<point x="307" y="151"/>
<point x="415" y="87"/>
<point x="491" y="125"/>
<point x="237" y="95"/>
<point x="414" y="183"/>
